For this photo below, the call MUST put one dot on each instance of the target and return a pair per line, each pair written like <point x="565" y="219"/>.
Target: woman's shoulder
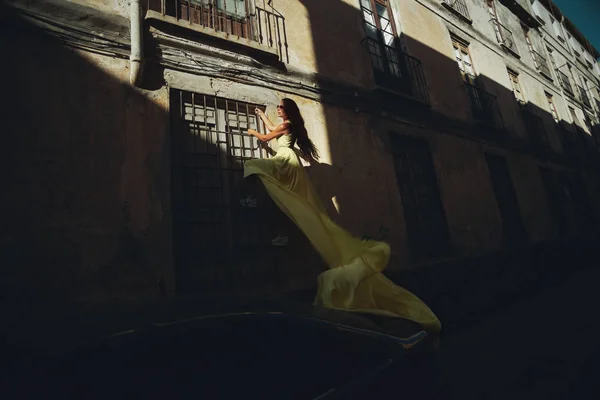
<point x="288" y="124"/>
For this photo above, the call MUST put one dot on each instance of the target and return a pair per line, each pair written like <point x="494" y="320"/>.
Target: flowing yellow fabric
<point x="354" y="281"/>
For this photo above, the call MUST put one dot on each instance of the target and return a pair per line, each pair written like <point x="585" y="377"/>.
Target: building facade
<point x="449" y="129"/>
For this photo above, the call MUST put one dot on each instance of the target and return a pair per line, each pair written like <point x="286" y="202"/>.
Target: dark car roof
<point x="296" y="351"/>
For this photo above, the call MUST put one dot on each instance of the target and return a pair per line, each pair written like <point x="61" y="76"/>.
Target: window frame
<point x="515" y="82"/>
<point x="574" y="116"/>
<point x="463" y="48"/>
<point x="389" y="67"/>
<point x="553" y="110"/>
<point x="373" y="10"/>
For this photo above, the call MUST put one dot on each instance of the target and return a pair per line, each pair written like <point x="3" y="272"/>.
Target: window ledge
<point x="569" y="94"/>
<point x="156" y="16"/>
<point x="545" y="75"/>
<point x="457" y="13"/>
<point x="511" y="51"/>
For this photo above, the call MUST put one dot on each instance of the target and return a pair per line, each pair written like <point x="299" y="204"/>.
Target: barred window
<point x="209" y="145"/>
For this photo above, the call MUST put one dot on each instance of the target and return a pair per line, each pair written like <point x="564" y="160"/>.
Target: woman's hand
<point x="252" y="132"/>
<point x="258" y="111"/>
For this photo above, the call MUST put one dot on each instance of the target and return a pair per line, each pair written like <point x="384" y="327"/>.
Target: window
<point x="514" y="80"/>
<point x="539" y="62"/>
<point x="551" y="107"/>
<point x="503" y="35"/>
<point x="458" y="7"/>
<point x="231" y="16"/>
<point x="556" y="27"/>
<point x="392" y="68"/>
<point x="589" y="65"/>
<point x="513" y="230"/>
<point x="589" y="120"/>
<point x="583" y="91"/>
<point x="463" y="59"/>
<point x="565" y="81"/>
<point x="529" y="45"/>
<point x="574" y="116"/>
<point x="483" y="104"/>
<point x="209" y="146"/>
<point x="381" y="36"/>
<point x="424" y="216"/>
<point x="491" y="9"/>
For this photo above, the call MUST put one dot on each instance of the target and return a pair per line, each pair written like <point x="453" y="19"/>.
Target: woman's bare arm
<point x="268" y="123"/>
<point x="281" y="129"/>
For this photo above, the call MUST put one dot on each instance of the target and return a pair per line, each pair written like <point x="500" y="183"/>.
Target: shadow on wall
<point x="499" y="121"/>
<point x="86" y="208"/>
<point x="496" y="121"/>
<point x="89" y="213"/>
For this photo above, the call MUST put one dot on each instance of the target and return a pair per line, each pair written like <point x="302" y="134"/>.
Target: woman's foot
<point x="280" y="241"/>
<point x="249" y="201"/>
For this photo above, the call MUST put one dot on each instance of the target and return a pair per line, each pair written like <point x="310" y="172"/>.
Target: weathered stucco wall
<point x="434" y="48"/>
<point x="119" y="7"/>
<point x="532" y="199"/>
<point x="467" y="194"/>
<point x="86" y="204"/>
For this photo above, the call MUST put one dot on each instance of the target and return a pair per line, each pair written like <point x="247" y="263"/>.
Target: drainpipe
<point x="136" y="61"/>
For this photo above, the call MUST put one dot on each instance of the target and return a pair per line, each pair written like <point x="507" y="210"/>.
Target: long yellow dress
<point x="354" y="281"/>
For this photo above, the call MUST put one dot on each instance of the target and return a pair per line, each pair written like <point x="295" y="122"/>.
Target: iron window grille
<point x="458" y="6"/>
<point x="209" y="145"/>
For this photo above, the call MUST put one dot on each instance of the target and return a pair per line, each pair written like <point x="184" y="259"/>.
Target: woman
<point x="354" y="281"/>
<point x="285" y="167"/>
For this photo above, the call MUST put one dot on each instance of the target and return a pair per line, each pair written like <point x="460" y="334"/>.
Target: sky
<point x="585" y="14"/>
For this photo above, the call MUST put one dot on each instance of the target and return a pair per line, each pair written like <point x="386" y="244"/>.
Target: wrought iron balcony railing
<point x="541" y="63"/>
<point x="241" y="18"/>
<point x="484" y="106"/>
<point x="504" y="36"/>
<point x="397" y="71"/>
<point x="565" y="82"/>
<point x="460" y="6"/>
<point x="584" y="97"/>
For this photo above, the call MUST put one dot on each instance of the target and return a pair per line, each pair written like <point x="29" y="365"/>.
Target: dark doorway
<point x="556" y="199"/>
<point x="513" y="231"/>
<point x="426" y="224"/>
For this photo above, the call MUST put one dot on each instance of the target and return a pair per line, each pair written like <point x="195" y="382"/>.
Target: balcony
<point x="484" y="106"/>
<point x="541" y="64"/>
<point x="505" y="37"/>
<point x="565" y="82"/>
<point x="584" y="97"/>
<point x="458" y="7"/>
<point x="235" y="20"/>
<point x="397" y="71"/>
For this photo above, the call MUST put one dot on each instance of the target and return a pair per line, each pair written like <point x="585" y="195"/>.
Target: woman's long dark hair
<point x="299" y="133"/>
